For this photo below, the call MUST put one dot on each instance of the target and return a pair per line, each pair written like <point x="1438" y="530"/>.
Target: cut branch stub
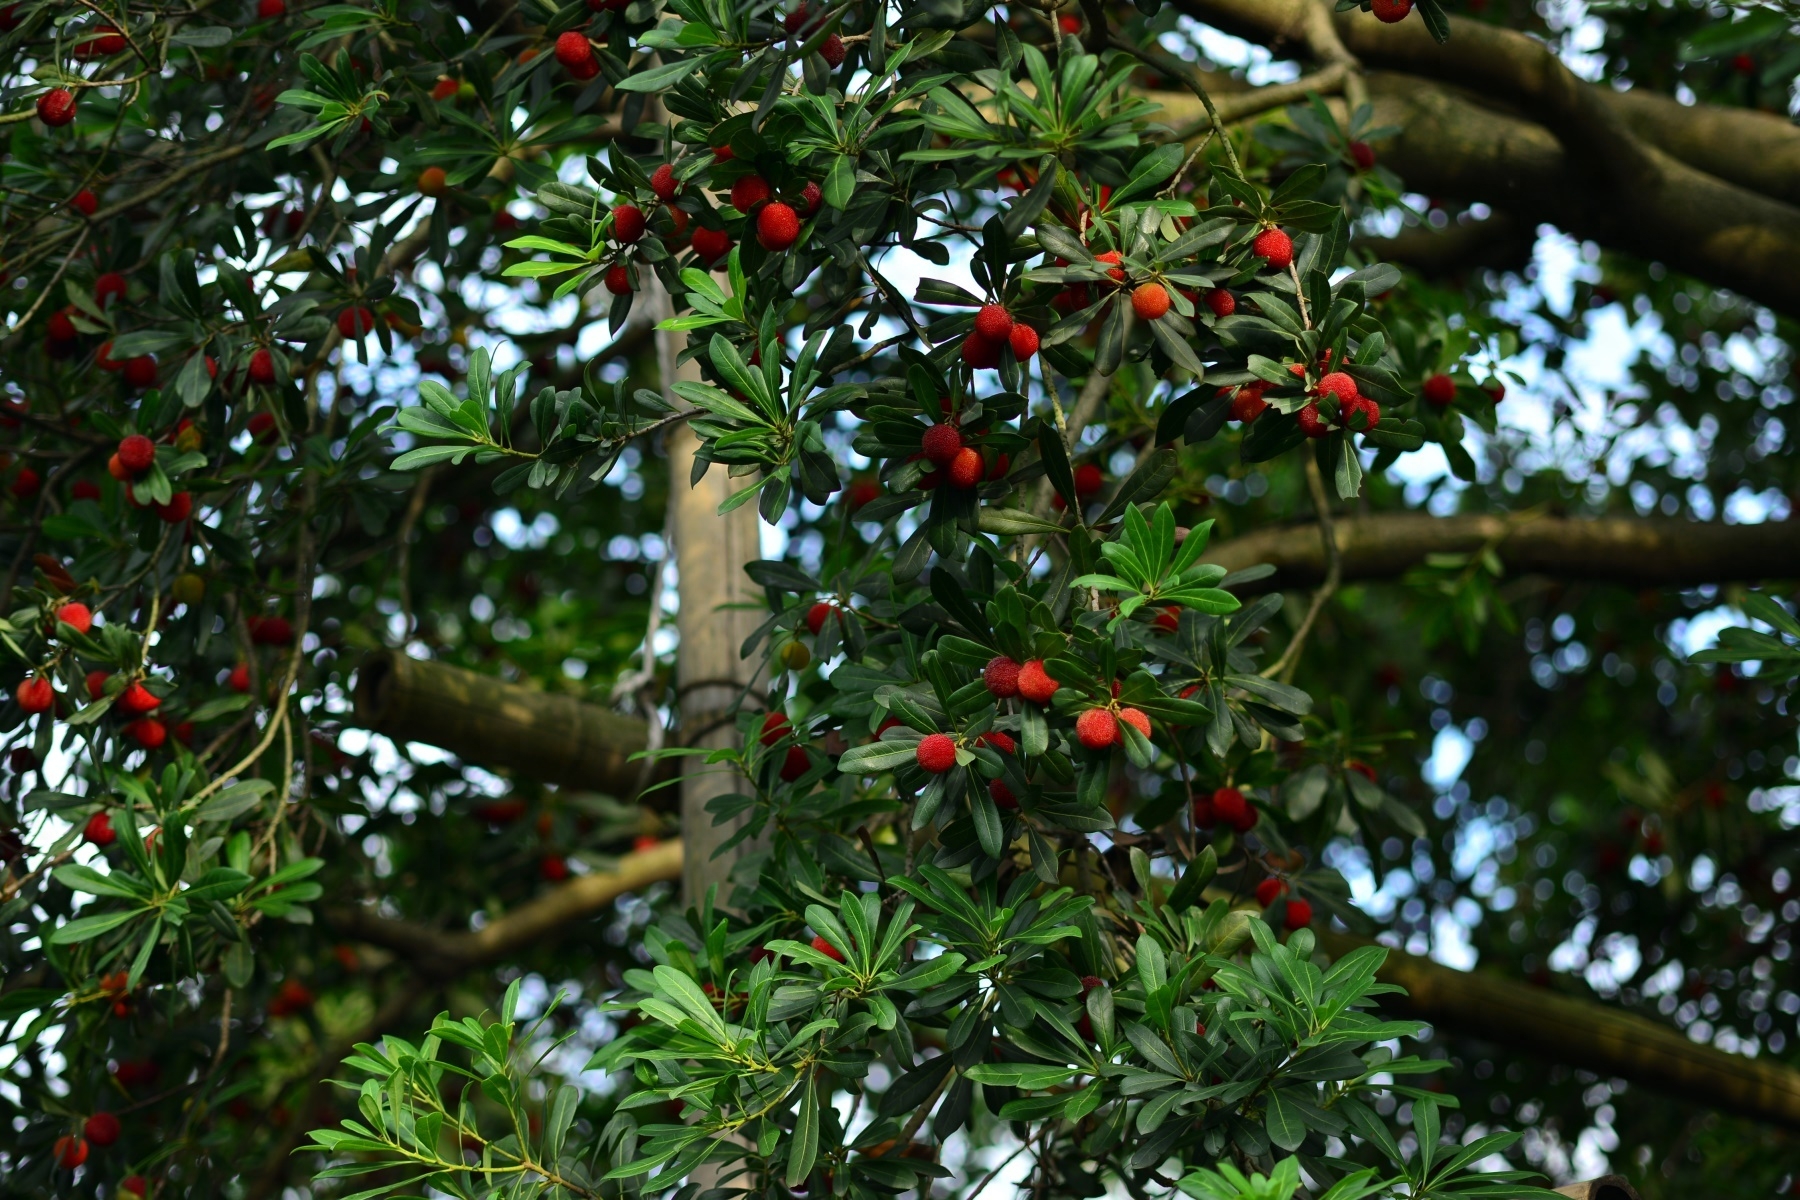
<point x="492" y="723"/>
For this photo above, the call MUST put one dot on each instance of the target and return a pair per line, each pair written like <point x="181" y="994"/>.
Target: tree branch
<point x="1583" y="1033"/>
<point x="484" y="720"/>
<point x="441" y="954"/>
<point x="1631" y="552"/>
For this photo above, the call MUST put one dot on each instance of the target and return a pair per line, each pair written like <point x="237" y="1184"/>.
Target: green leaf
<point x="803" y="1147"/>
<point x="83" y="928"/>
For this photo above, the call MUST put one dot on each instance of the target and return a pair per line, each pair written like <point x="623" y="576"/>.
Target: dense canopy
<point x="924" y="598"/>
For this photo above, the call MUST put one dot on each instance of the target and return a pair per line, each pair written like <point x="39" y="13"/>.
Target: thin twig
<point x="1285" y="666"/>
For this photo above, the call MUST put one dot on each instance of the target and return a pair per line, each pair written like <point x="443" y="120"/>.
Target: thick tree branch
<point x="488" y="721"/>
<point x="441" y="954"/>
<point x="1582" y="1033"/>
<point x="1632" y="552"/>
<point x="1499" y="242"/>
<point x="1582" y="164"/>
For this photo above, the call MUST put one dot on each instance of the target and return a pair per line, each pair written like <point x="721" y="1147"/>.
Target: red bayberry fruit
<point x="76" y="616"/>
<point x="22" y="759"/>
<point x="1088" y="480"/>
<point x="1168" y="620"/>
<point x="271" y="10"/>
<point x="60" y="327"/>
<point x="107" y="288"/>
<point x="832" y="51"/>
<point x="271" y="631"/>
<point x="1002" y="795"/>
<point x="148" y="732"/>
<point x="618" y="280"/>
<point x="827" y="949"/>
<point x="1269" y="891"/>
<point x="795" y="764"/>
<point x="356" y="322"/>
<point x="1137" y="719"/>
<point x="999" y="739"/>
<point x="662" y="182"/>
<point x="749" y="192"/>
<point x="942" y="443"/>
<point x="1361" y="414"/>
<point x="979" y="353"/>
<point x="35" y="695"/>
<point x="261" y="427"/>
<point x="262" y="367"/>
<point x="57" y="107"/>
<point x="25" y="483"/>
<point x="1495" y="389"/>
<point x="105" y="361"/>
<point x="710" y="245"/>
<point x="1440" y="390"/>
<point x="1247" y="402"/>
<point x="433" y="181"/>
<point x="774" y="727"/>
<point x="1097" y="729"/>
<point x="1113" y="258"/>
<point x="1276" y="246"/>
<point x="178" y="509"/>
<point x="70" y="1152"/>
<point x="102" y="1129"/>
<point x="817" y="615"/>
<point x="1298" y="915"/>
<point x="137" y="1185"/>
<point x="797" y="20"/>
<point x="99" y="831"/>
<point x="1230" y="806"/>
<point x="966" y="469"/>
<point x="96" y="683"/>
<point x="444" y="89"/>
<point x="1391" y="12"/>
<point x="628" y="223"/>
<point x="1150" y="301"/>
<point x="1363" y="154"/>
<point x="1069" y="24"/>
<point x="1311" y="423"/>
<point x="84" y="489"/>
<point x="1001" y="676"/>
<point x="722" y="154"/>
<point x="1338" y="385"/>
<point x="1024" y="342"/>
<point x="1035" y="683"/>
<point x="554" y="868"/>
<point x="573" y="50"/>
<point x="1222" y="302"/>
<point x="239" y="679"/>
<point x="777" y="226"/>
<point x="136" y="453"/>
<point x="84" y="202"/>
<point x="810" y="198"/>
<point x="936" y="753"/>
<point x="137" y="699"/>
<point x="994" y="323"/>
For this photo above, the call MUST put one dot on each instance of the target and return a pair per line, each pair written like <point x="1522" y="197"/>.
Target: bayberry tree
<point x="855" y="599"/>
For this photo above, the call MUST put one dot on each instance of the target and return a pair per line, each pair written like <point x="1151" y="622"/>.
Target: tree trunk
<point x="720" y="609"/>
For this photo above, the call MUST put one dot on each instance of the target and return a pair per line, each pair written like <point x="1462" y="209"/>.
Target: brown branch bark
<point x="1582" y="1033"/>
<point x="1632" y="552"/>
<point x="441" y="954"/>
<point x="490" y="722"/>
